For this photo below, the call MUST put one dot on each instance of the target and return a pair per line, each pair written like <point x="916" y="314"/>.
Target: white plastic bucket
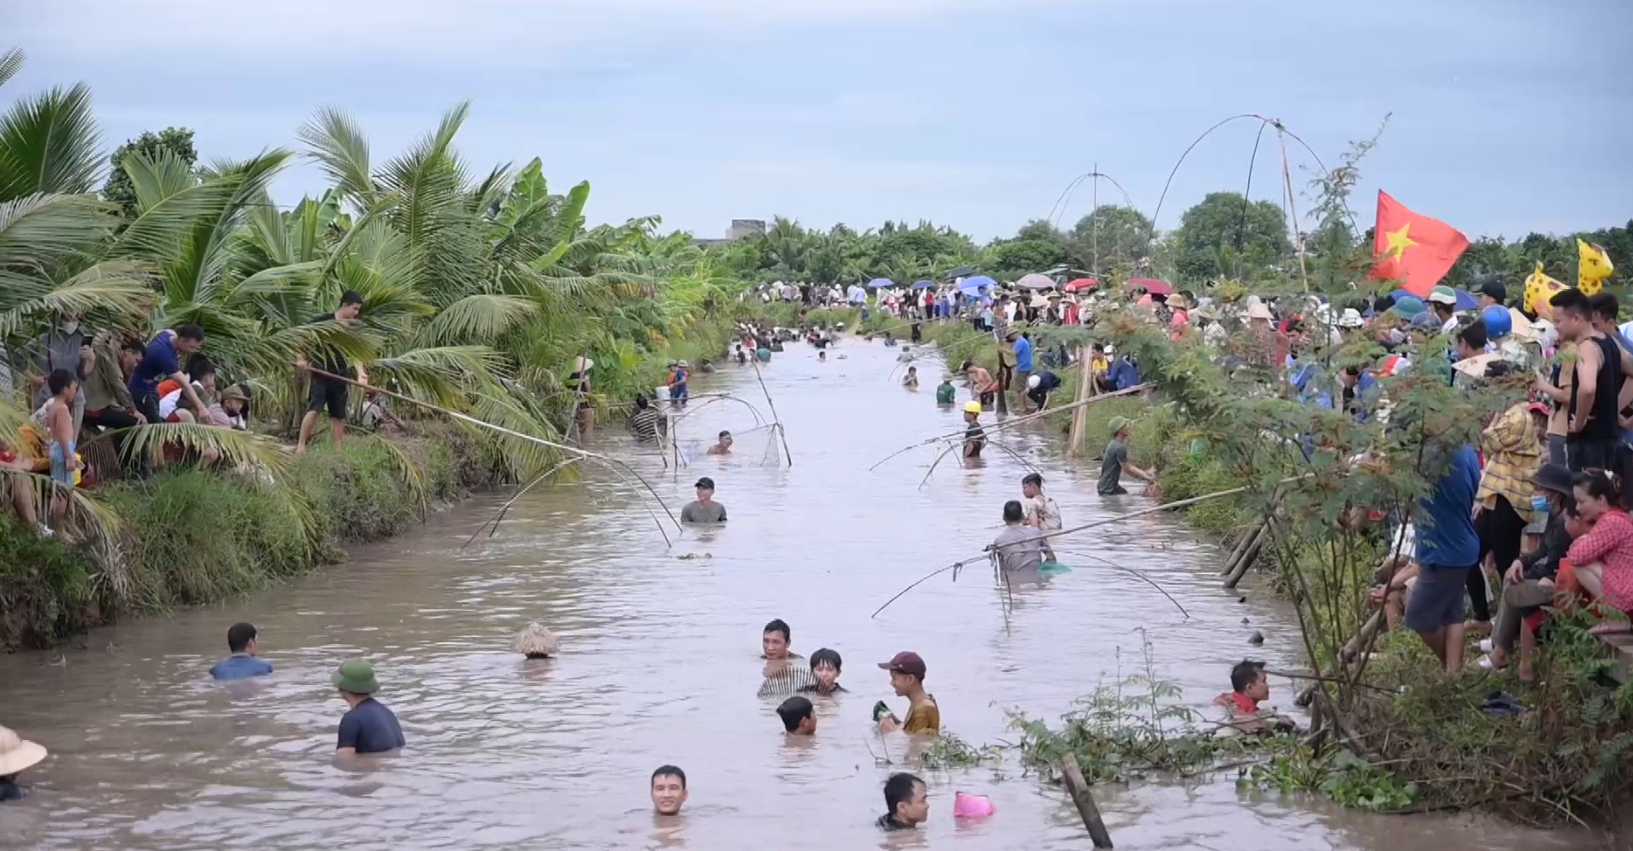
<point x="661" y="394"/>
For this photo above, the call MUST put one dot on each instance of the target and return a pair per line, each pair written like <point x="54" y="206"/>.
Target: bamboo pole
<point x="1011" y="423"/>
<point x="1080" y="417"/>
<point x="611" y="463"/>
<point x="776" y="417"/>
<point x="1242" y="544"/>
<point x="1248" y="557"/>
<point x="1084" y="799"/>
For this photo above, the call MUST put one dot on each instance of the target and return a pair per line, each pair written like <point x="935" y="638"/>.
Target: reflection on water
<point x="660" y="665"/>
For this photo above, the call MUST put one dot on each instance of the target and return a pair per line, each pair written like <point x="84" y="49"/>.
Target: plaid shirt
<point x="1512" y="458"/>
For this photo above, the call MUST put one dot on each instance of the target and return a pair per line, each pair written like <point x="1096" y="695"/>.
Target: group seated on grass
<point x="87" y="386"/>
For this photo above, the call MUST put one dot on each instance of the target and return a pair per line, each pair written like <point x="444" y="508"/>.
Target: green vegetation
<point x="190" y="536"/>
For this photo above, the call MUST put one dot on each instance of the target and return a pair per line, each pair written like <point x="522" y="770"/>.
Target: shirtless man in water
<point x="983" y="387"/>
<point x="723" y="446"/>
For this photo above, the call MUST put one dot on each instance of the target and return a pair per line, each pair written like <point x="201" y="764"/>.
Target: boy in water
<point x="798" y="716"/>
<point x="975" y="437"/>
<point x="911" y="379"/>
<point x="907" y="670"/>
<point x="1250" y="686"/>
<point x="825" y="666"/>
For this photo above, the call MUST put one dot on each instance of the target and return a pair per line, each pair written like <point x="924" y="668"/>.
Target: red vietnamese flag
<point x="1416" y="250"/>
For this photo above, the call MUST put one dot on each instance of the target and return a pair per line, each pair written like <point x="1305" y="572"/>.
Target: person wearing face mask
<point x="1528" y="582"/>
<point x="65" y="346"/>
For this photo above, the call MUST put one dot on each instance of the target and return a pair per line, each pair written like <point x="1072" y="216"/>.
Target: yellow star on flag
<point x="1399" y="241"/>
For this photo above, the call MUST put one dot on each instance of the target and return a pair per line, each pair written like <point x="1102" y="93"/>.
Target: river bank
<point x="189" y="536"/>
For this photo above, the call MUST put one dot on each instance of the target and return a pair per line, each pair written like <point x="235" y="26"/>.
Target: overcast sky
<point x="1509" y="116"/>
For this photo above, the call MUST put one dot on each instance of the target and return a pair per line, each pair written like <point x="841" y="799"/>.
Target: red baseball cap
<point x="906" y="662"/>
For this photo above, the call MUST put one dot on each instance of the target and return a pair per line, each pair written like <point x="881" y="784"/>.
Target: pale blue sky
<point x="1509" y="116"/>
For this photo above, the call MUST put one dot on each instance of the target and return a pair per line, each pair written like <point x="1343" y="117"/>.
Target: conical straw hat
<point x="536" y="641"/>
<point x="17" y="753"/>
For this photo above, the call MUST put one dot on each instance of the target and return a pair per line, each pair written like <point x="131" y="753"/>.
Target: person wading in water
<point x="975" y="437"/>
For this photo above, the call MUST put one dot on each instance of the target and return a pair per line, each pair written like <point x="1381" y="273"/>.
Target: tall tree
<point x="177" y="141"/>
<point x="1254" y="232"/>
<point x="1109" y="236"/>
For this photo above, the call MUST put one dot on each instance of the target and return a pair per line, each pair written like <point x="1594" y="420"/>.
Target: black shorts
<point x="148" y="405"/>
<point x="326" y="393"/>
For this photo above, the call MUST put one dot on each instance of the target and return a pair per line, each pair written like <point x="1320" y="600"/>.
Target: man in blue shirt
<point x="243" y="663"/>
<point x="368" y="726"/>
<point x="163" y="359"/>
<point x="1447" y="549"/>
<point x="1123" y="374"/>
<point x="1023" y="366"/>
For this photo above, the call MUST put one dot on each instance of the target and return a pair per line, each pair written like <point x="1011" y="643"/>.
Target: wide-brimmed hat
<point x="535" y="640"/>
<point x="1350" y="318"/>
<point x="356" y="676"/>
<point x="1259" y="311"/>
<point x="1117" y="424"/>
<point x="234" y="392"/>
<point x="1553" y="477"/>
<point x="17" y="753"/>
<point x="582" y="363"/>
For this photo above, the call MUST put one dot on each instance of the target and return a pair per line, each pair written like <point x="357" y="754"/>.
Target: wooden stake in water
<point x="1084" y="800"/>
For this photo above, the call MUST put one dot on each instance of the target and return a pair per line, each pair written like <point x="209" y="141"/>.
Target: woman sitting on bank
<point x="1602" y="559"/>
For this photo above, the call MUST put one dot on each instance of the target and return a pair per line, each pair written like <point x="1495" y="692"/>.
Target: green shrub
<point x="46" y="588"/>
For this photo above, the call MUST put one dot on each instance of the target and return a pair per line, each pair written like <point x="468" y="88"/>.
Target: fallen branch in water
<point x="1011" y="423"/>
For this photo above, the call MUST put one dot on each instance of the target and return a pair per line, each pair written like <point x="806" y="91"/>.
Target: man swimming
<point x="722" y="446"/>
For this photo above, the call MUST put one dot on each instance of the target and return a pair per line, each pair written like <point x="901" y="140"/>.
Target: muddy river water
<point x="660" y="664"/>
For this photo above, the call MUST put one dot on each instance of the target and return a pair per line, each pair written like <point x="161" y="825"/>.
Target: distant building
<point x="740" y="229"/>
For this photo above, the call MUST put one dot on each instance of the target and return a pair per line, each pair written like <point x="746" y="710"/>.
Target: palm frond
<point x="37" y="231"/>
<point x="480" y="318"/>
<point x="236" y="449"/>
<point x="48" y="144"/>
<point x="342" y="151"/>
<point x="11" y="62"/>
<point x="113" y="288"/>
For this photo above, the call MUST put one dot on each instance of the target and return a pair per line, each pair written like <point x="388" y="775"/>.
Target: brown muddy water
<point x="660" y="665"/>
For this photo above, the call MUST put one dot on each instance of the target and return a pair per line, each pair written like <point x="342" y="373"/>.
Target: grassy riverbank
<point x="188" y="536"/>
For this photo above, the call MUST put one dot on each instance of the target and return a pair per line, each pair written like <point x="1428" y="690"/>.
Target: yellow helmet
<point x="972" y="407"/>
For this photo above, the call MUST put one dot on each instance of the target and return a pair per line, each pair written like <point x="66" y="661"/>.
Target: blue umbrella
<point x="1466" y="301"/>
<point x="970" y="285"/>
<point x="880" y="282"/>
<point x="923" y="285"/>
